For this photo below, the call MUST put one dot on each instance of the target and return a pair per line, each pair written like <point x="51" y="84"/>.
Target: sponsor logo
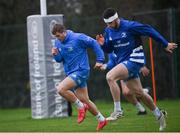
<point x="121" y="45"/>
<point x="34" y="30"/>
<point x="52" y="23"/>
<point x="118" y="41"/>
<point x="58" y="73"/>
<point x="36" y="71"/>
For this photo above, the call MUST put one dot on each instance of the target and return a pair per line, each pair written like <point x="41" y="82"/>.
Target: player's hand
<point x="145" y="71"/>
<point x="54" y="51"/>
<point x="171" y="47"/>
<point x="103" y="67"/>
<point x="98" y="65"/>
<point x="100" y="39"/>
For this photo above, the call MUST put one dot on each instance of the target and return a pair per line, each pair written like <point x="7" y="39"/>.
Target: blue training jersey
<point x="73" y="51"/>
<point x="125" y="40"/>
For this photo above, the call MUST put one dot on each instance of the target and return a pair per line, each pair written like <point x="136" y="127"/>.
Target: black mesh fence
<point x="177" y="55"/>
<point x="165" y="64"/>
<point x="14" y="76"/>
<point x="14" y="79"/>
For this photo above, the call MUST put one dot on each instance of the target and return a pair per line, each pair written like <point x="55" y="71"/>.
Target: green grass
<point x="19" y="120"/>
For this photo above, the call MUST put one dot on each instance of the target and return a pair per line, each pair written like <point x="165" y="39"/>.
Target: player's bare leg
<point x="118" y="72"/>
<point x="136" y="86"/>
<point x="64" y="90"/>
<point x="82" y="94"/>
<point x="130" y="96"/>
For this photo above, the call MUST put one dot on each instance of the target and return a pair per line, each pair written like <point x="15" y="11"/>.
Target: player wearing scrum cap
<point x="123" y="38"/>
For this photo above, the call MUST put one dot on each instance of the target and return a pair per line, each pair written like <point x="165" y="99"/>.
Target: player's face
<point x="60" y="36"/>
<point x="114" y="24"/>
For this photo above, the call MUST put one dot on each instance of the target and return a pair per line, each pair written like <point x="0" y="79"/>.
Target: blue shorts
<point x="80" y="78"/>
<point x="133" y="69"/>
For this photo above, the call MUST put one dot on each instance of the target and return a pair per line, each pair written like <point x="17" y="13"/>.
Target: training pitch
<point x="19" y="120"/>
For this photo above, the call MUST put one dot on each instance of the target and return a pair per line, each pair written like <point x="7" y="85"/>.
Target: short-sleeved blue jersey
<point x="73" y="51"/>
<point x="125" y="40"/>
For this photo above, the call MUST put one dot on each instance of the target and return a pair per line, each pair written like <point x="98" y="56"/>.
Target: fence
<point x="14" y="76"/>
<point x="14" y="79"/>
<point x="165" y="64"/>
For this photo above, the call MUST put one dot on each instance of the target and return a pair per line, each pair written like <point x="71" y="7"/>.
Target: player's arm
<point x="147" y="30"/>
<point x="145" y="71"/>
<point x="88" y="42"/>
<point x="104" y="42"/>
<point x="56" y="53"/>
<point x="111" y="61"/>
<point x="110" y="64"/>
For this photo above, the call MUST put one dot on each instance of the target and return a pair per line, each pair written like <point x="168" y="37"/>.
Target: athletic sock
<point x="157" y="113"/>
<point x="100" y="117"/>
<point x="117" y="106"/>
<point x="140" y="107"/>
<point x="78" y="104"/>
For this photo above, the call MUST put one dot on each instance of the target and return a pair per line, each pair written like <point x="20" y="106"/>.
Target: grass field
<point x="19" y="120"/>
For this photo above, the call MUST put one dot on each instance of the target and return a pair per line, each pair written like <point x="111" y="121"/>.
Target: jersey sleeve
<point x="111" y="61"/>
<point x="146" y="30"/>
<point x="107" y="46"/>
<point x="58" y="57"/>
<point x="88" y="42"/>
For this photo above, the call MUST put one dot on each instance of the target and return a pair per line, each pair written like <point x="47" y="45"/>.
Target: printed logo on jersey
<point x="131" y="74"/>
<point x="125" y="62"/>
<point x="70" y="49"/>
<point x="118" y="41"/>
<point x="123" y="35"/>
<point x="74" y="75"/>
<point x="114" y="54"/>
<point x="79" y="81"/>
<point x="84" y="76"/>
<point x="110" y="38"/>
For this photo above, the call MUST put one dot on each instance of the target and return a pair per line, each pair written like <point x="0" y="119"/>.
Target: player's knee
<point x="109" y="77"/>
<point x="61" y="90"/>
<point x="139" y="93"/>
<point x="127" y="94"/>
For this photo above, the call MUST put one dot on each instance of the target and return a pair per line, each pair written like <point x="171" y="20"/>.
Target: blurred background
<point x="86" y="16"/>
